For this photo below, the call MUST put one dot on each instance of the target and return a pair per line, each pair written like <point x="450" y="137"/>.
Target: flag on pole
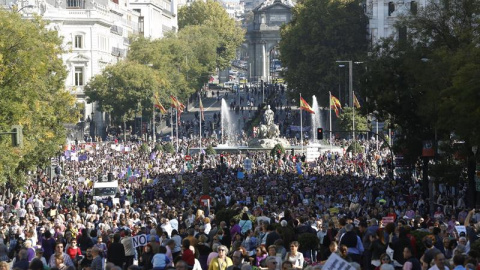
<point x="335" y="105"/>
<point x="201" y="109"/>
<point x="177" y="104"/>
<point x="335" y="102"/>
<point x="159" y="105"/>
<point x="179" y="113"/>
<point x="355" y="101"/>
<point x="304" y="106"/>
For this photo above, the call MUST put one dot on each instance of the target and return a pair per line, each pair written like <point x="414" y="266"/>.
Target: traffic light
<point x="17" y="136"/>
<point x="221" y="158"/>
<point x="319" y="133"/>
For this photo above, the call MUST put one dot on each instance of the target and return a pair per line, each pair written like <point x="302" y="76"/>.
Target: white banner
<point x="337" y="263"/>
<point x="139" y="240"/>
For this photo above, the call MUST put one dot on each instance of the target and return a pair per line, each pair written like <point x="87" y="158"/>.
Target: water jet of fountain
<point x="316" y="119"/>
<point x="226" y="122"/>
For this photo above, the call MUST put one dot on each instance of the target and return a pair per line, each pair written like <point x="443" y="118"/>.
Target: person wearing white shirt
<point x="439" y="262"/>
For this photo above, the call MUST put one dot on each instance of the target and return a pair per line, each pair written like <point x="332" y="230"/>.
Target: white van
<point x="102" y="190"/>
<point x="228" y="85"/>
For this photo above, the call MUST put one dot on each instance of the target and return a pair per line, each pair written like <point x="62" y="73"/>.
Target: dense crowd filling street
<point x="281" y="213"/>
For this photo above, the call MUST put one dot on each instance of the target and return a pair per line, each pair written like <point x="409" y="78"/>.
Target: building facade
<point x="263" y="36"/>
<point x="97" y="33"/>
<point x="383" y="14"/>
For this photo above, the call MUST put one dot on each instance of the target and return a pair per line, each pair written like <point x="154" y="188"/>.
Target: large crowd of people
<point x="281" y="212"/>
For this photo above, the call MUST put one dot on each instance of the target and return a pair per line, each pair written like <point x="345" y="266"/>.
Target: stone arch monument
<point x="263" y="35"/>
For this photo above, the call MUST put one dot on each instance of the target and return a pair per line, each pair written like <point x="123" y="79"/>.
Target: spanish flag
<point x="335" y="105"/>
<point x="335" y="102"/>
<point x="337" y="111"/>
<point x="355" y="101"/>
<point x="177" y="104"/>
<point x="201" y="109"/>
<point x="304" y="106"/>
<point x="159" y="105"/>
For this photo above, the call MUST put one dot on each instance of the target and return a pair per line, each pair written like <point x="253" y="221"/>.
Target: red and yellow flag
<point x="304" y="106"/>
<point x="159" y="105"/>
<point x="335" y="105"/>
<point x="335" y="102"/>
<point x="201" y="109"/>
<point x="355" y="101"/>
<point x="177" y="104"/>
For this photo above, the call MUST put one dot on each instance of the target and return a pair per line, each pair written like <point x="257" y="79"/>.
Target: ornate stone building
<point x="97" y="33"/>
<point x="263" y="36"/>
<point x="383" y="15"/>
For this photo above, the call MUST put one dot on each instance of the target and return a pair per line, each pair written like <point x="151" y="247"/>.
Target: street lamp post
<point x="350" y="81"/>
<point x="340" y="83"/>
<point x="350" y="91"/>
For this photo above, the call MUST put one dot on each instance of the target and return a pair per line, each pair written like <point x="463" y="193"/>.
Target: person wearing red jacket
<point x="187" y="254"/>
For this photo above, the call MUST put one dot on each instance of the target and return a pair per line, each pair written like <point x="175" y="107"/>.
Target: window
<point x="413" y="7"/>
<point x="76" y="4"/>
<point x="402" y="34"/>
<point x="78" y="42"/>
<point x="141" y="24"/>
<point x="391" y="8"/>
<point x="103" y="44"/>
<point x="78" y="76"/>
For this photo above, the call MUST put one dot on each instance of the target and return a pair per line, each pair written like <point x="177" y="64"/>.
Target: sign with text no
<point x="139" y="240"/>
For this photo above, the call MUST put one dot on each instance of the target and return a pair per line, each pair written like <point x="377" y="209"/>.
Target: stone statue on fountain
<point x="268" y="130"/>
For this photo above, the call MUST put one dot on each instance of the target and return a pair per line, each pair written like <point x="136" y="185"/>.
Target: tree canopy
<point x="428" y="82"/>
<point x="346" y="120"/>
<point x="123" y="88"/>
<point x="178" y="64"/>
<point x="321" y="32"/>
<point x="32" y="89"/>
<point x="229" y="35"/>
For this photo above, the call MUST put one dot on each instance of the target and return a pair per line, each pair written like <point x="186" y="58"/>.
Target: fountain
<point x="268" y="132"/>
<point x="227" y="124"/>
<point x="316" y="119"/>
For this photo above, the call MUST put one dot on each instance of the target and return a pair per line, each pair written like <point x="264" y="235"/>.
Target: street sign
<point x="188" y="158"/>
<point x="205" y="200"/>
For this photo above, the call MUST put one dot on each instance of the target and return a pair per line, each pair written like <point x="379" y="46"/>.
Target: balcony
<point x="117" y="52"/>
<point x="116" y="30"/>
<point x="75" y="4"/>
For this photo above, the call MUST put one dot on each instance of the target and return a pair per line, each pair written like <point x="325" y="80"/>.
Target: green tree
<point x="346" y="120"/>
<point x="168" y="57"/>
<point x="277" y="150"/>
<point x="168" y="147"/>
<point x="355" y="147"/>
<point x="124" y="88"/>
<point x="210" y="151"/>
<point x="321" y="32"/>
<point x="32" y="89"/>
<point x="201" y="62"/>
<point x="212" y="15"/>
<point x="425" y="83"/>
